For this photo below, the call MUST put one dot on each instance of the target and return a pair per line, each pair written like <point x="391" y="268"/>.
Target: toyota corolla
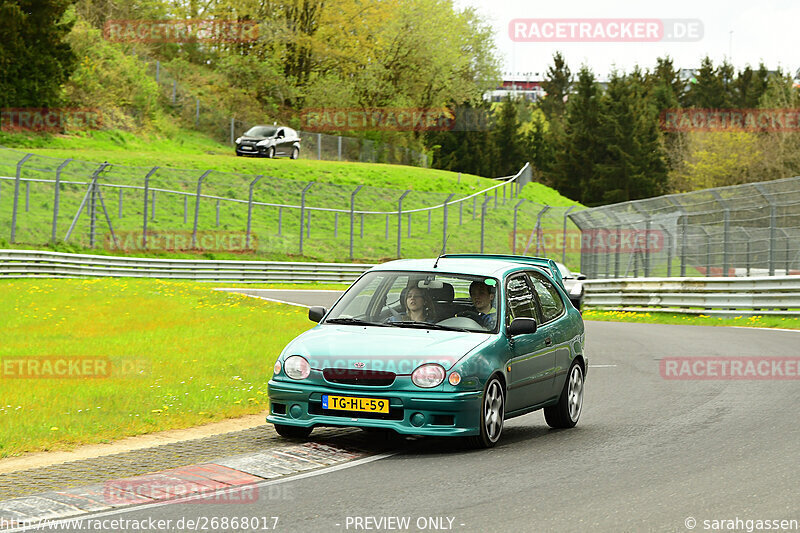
<point x="449" y="346"/>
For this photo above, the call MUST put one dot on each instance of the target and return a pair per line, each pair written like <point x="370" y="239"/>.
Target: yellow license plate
<point x="350" y="403"/>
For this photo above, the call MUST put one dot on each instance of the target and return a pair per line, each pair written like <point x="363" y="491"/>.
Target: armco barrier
<point x="31" y="263"/>
<point x="768" y="295"/>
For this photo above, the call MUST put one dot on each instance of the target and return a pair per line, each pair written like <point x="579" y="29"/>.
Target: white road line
<point x="277" y="301"/>
<point x="602" y="366"/>
<point x="203" y="495"/>
<point x="766" y="329"/>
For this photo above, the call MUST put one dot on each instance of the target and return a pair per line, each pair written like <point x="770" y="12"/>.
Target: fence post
<point x="444" y="224"/>
<point x="218" y="201"/>
<point x="144" y="216"/>
<point x="185" y="209"/>
<point x="250" y="209"/>
<point x="303" y="212"/>
<point x="460" y="213"/>
<point x="89" y="192"/>
<point x="319" y="146"/>
<point x="339" y="138"/>
<point x="564" y="239"/>
<point x="197" y="207"/>
<point x="158" y="71"/>
<point x="400" y="221"/>
<point x="174" y="86"/>
<point x="352" y="217"/>
<point x="16" y="197"/>
<point x="514" y="229"/>
<point x="408" y="226"/>
<point x="233" y="135"/>
<point x="335" y="224"/>
<point x="196" y="112"/>
<point x="153" y="207"/>
<point x="773" y="216"/>
<point x="483" y="219"/>
<point x="539" y="228"/>
<point x="56" y="199"/>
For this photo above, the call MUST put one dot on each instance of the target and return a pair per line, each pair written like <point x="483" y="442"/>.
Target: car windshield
<point x="261" y="131"/>
<point x="413" y="299"/>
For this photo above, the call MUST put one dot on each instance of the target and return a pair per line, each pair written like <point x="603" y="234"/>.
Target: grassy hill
<point x="183" y="158"/>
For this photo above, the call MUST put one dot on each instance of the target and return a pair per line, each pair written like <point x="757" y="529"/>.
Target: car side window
<point x="280" y="134"/>
<point x="519" y="299"/>
<point x="549" y="299"/>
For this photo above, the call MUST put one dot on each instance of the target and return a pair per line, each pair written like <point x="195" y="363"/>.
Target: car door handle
<point x="548" y="341"/>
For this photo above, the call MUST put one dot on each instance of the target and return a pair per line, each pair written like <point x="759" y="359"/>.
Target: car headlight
<point x="238" y="140"/>
<point x="428" y="375"/>
<point x="265" y="142"/>
<point x="296" y="367"/>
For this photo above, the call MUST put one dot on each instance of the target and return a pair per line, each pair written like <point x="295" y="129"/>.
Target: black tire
<point x="238" y="154"/>
<point x="293" y="432"/>
<point x="295" y="152"/>
<point x="493" y="399"/>
<point x="567" y="411"/>
<point x="271" y="152"/>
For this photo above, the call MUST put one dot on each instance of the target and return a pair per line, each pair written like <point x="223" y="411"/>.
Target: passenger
<point x="483" y="299"/>
<point x="419" y="307"/>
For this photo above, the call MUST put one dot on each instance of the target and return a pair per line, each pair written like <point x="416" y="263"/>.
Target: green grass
<point x="205" y="355"/>
<point x="758" y="321"/>
<point x="328" y="238"/>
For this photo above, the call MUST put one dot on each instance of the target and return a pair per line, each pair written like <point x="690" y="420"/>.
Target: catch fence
<point x="127" y="209"/>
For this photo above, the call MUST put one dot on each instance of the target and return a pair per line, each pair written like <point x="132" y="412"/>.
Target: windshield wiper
<point x="353" y="322"/>
<point x="428" y="325"/>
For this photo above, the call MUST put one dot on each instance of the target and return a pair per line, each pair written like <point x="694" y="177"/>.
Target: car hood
<point x="247" y="138"/>
<point x="399" y="350"/>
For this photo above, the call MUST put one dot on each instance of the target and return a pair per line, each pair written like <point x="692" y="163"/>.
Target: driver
<point x="483" y="299"/>
<point x="419" y="307"/>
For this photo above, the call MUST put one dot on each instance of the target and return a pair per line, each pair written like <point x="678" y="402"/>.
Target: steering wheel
<point x="474" y="315"/>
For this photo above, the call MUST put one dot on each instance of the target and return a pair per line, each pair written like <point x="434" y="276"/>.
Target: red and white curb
<point x="202" y="483"/>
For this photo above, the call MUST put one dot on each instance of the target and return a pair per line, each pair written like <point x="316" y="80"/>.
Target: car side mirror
<point x="580" y="277"/>
<point x="315" y="314"/>
<point x="521" y="326"/>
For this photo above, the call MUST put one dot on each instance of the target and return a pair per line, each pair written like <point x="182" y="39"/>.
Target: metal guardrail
<point x="766" y="295"/>
<point x="32" y="263"/>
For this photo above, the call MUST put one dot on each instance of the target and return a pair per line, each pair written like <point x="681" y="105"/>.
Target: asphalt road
<point x="647" y="455"/>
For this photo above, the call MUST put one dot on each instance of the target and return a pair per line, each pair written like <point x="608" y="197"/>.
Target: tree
<point x="633" y="165"/>
<point x="713" y="88"/>
<point x="557" y="84"/>
<point x="34" y="58"/>
<point x="576" y="146"/>
<point x="749" y="86"/>
<point x="507" y="140"/>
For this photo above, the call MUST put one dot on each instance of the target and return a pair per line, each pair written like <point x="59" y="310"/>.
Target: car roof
<point x="472" y="264"/>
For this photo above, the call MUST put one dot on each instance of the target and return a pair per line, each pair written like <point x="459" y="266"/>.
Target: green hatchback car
<point x="449" y="346"/>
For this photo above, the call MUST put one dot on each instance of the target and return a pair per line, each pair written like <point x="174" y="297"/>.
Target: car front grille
<point x="370" y="378"/>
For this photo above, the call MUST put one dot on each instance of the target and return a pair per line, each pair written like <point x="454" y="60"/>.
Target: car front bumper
<point x="410" y="412"/>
